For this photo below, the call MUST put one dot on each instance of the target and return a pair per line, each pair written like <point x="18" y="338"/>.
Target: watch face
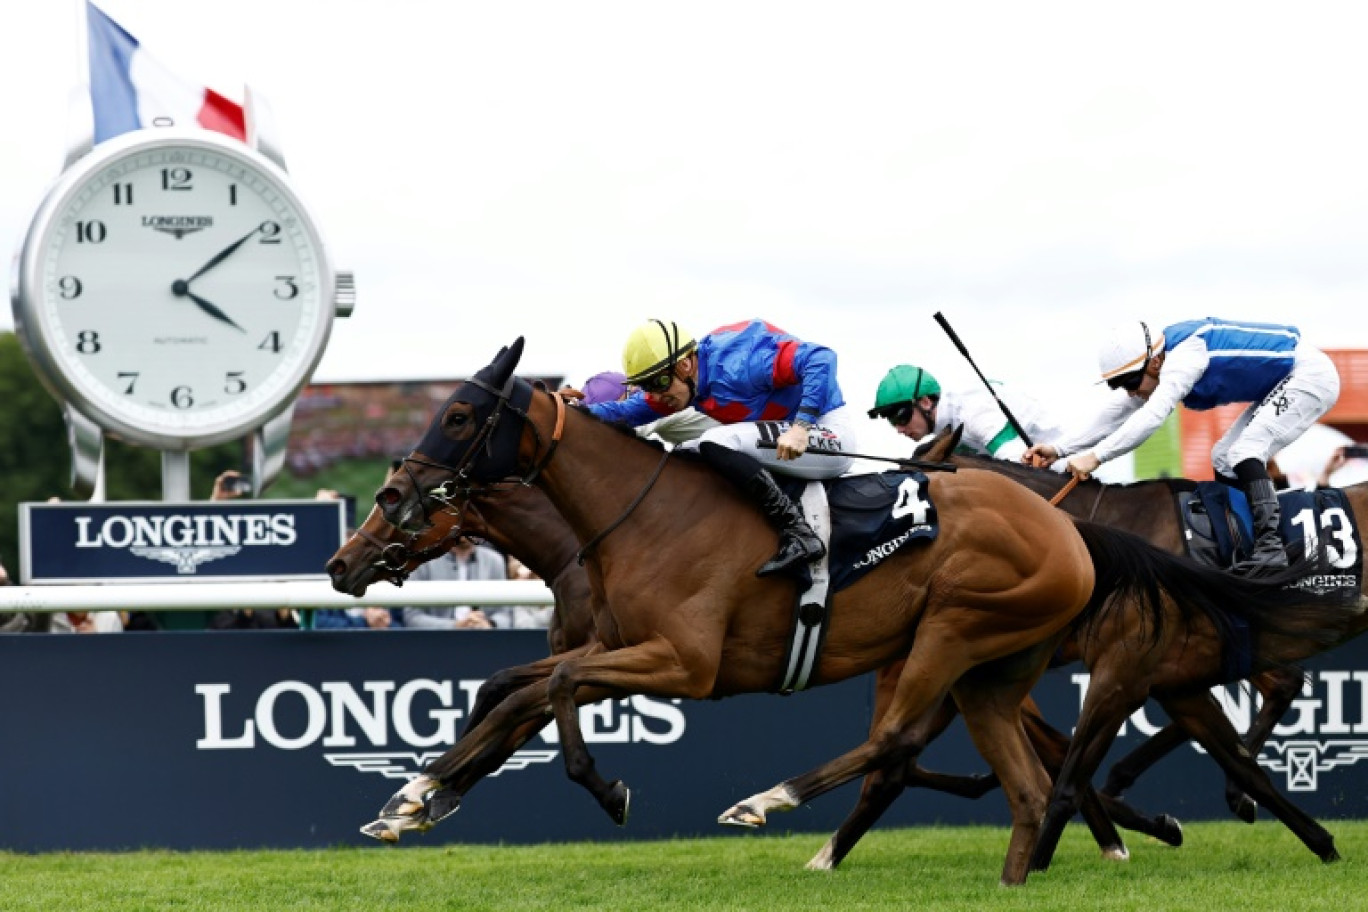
<point x="174" y="289"/>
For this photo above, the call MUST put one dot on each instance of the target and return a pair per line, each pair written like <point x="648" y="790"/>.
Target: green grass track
<point x="1223" y="867"/>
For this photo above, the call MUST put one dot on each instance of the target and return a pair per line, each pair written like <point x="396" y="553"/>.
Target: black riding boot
<point x="798" y="544"/>
<point x="1268" y="555"/>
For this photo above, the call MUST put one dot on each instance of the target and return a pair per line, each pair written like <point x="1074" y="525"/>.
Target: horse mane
<point x="944" y="445"/>
<point x="621" y="427"/>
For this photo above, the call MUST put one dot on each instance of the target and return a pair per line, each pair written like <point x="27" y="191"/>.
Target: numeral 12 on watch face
<point x="178" y="288"/>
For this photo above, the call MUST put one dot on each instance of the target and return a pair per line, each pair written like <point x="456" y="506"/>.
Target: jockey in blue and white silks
<point x="1203" y="364"/>
<point x="760" y="384"/>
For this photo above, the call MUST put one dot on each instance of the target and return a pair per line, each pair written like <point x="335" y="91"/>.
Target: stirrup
<point x="791" y="559"/>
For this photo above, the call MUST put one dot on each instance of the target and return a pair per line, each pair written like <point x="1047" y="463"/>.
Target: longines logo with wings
<point x="407" y="764"/>
<point x="178" y="225"/>
<point x="185" y="560"/>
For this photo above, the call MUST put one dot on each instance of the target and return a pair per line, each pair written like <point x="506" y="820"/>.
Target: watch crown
<point x="344" y="296"/>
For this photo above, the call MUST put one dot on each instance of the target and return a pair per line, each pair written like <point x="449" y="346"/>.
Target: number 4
<point x="911" y="501"/>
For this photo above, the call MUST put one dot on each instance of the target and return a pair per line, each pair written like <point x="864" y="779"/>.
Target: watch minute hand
<point x="222" y="255"/>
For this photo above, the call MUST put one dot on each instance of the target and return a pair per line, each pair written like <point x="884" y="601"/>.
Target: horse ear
<point x="506" y="362"/>
<point x="955" y="438"/>
<point x="939" y="447"/>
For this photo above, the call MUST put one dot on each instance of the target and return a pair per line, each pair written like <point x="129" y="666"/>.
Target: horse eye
<point x="456" y="420"/>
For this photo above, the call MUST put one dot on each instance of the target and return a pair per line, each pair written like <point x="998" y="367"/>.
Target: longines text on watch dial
<point x="181" y="288"/>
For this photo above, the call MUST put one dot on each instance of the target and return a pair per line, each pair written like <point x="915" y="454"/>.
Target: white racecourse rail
<point x="293" y="594"/>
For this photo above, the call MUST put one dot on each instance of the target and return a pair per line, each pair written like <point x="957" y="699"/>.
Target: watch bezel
<point x="35" y="334"/>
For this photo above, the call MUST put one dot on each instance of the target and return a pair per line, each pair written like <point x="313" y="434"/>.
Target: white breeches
<point x="833" y="434"/>
<point x="1294" y="405"/>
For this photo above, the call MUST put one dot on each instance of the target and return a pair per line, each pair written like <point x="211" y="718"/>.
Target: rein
<point x="1073" y="483"/>
<point x="650" y="483"/>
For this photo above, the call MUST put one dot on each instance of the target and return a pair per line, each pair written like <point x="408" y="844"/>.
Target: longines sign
<point x="142" y="542"/>
<point x="329" y="724"/>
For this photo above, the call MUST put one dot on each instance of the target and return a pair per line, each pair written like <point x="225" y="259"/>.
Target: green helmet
<point x="904" y="383"/>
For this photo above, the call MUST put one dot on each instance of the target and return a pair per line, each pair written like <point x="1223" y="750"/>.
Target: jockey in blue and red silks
<point x="742" y="375"/>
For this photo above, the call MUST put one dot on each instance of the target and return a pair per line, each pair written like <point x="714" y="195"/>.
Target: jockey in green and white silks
<point x="912" y="400"/>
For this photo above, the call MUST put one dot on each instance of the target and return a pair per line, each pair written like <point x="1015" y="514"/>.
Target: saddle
<point x="867" y="518"/>
<point x="1218" y="528"/>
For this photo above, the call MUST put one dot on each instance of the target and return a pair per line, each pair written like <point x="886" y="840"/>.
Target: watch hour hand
<point x="223" y="254"/>
<point x="181" y="288"/>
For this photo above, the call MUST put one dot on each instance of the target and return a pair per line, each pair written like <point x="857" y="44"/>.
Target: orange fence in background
<point x="1200" y="430"/>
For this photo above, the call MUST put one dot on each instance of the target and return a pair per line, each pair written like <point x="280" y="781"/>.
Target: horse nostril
<point x="337" y="568"/>
<point x="388" y="497"/>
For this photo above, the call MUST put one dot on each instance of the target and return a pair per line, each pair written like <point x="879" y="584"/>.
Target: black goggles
<point x="1131" y="382"/>
<point x="1128" y="382"/>
<point x="899" y="414"/>
<point x="656" y="383"/>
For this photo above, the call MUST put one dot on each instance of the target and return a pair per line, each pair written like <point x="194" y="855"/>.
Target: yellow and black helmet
<point x="653" y="347"/>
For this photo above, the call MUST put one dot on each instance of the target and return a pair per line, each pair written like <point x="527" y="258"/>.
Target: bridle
<point x="462" y="483"/>
<point x="461" y="473"/>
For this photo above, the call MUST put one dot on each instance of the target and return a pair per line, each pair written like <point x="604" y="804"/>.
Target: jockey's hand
<point x="571" y="395"/>
<point x="1083" y="465"/>
<point x="792" y="443"/>
<point x="1042" y="456"/>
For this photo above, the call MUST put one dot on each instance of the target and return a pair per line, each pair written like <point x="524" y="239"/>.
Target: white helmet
<point x="1127" y="348"/>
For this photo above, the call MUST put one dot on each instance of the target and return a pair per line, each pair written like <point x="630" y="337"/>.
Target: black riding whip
<point x="1011" y="419"/>
<point x="906" y="463"/>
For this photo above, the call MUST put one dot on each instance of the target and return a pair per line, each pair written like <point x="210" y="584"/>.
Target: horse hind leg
<point x="881" y="787"/>
<point x="1203" y="718"/>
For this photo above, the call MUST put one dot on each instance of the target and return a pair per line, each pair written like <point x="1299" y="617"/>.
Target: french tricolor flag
<point x="130" y="90"/>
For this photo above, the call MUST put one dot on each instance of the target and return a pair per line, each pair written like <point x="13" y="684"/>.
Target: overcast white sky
<point x="564" y="171"/>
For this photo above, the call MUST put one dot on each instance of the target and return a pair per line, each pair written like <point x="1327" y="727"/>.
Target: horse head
<point x="472" y="439"/>
<point x="940" y="447"/>
<point x="379" y="551"/>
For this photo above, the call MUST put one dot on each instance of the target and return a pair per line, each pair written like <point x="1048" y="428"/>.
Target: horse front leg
<point x="498" y="686"/>
<point x="1107" y="705"/>
<point x="653" y="667"/>
<point x="1279" y="687"/>
<point x="437" y="792"/>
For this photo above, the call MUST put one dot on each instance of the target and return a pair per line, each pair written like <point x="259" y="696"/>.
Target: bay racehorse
<point x="1145" y="508"/>
<point x="520" y="520"/>
<point x="1178" y="667"/>
<point x="672" y="553"/>
<point x="1175" y="661"/>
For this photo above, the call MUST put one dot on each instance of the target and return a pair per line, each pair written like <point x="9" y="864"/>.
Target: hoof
<point x="440" y="805"/>
<point x="1116" y="853"/>
<point x="1170" y="831"/>
<point x="742" y="815"/>
<point x="378" y="829"/>
<point x="618" y="804"/>
<point x="1247" y="809"/>
<point x="823" y="860"/>
<point x="400" y="805"/>
<point x="1331" y="856"/>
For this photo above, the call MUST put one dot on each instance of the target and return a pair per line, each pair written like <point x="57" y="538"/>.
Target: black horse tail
<point x="1128" y="567"/>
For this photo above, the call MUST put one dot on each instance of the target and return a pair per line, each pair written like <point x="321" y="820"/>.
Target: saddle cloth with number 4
<point x="872" y="516"/>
